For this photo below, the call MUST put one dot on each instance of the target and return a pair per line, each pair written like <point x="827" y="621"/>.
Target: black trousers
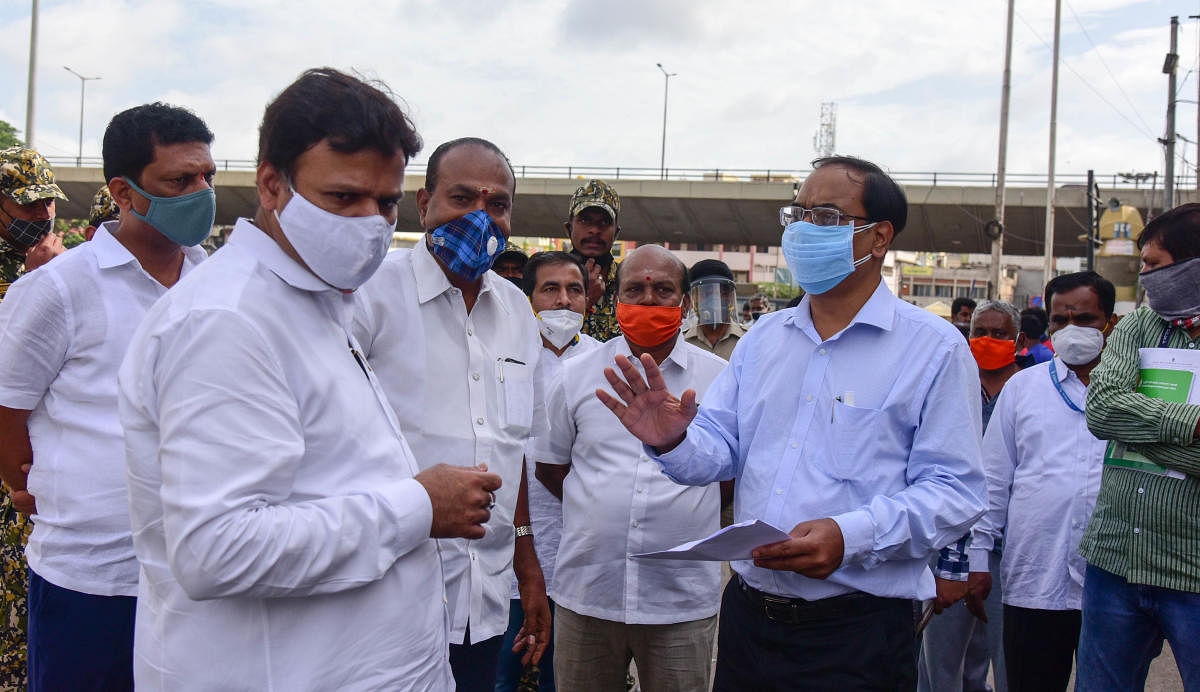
<point x="871" y="648"/>
<point x="1039" y="647"/>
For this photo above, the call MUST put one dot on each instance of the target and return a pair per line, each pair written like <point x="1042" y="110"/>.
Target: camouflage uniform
<point x="600" y="322"/>
<point x="104" y="207"/>
<point x="25" y="177"/>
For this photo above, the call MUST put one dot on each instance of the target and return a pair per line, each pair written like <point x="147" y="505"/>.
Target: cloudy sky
<point x="558" y="82"/>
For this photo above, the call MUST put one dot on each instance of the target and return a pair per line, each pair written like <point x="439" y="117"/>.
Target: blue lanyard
<point x="1166" y="335"/>
<point x="1058" y="386"/>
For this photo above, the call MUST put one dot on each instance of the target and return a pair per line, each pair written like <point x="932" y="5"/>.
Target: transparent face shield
<point x="714" y="300"/>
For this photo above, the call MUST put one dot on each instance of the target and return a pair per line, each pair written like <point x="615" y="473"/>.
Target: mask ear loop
<point x="855" y="231"/>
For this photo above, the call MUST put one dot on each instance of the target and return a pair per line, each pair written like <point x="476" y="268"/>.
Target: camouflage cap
<point x="104" y="207"/>
<point x="26" y="177"/>
<point x="596" y="193"/>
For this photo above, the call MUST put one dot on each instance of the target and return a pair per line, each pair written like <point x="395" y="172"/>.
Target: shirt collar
<point x="111" y="253"/>
<point x="1062" y="370"/>
<point x="735" y="329"/>
<point x="678" y="354"/>
<point x="878" y="311"/>
<point x="432" y="281"/>
<point x="264" y="248"/>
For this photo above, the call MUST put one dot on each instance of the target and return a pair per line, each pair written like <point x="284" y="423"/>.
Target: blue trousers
<point x="509" y="668"/>
<point x="474" y="663"/>
<point x="78" y="641"/>
<point x="1123" y="630"/>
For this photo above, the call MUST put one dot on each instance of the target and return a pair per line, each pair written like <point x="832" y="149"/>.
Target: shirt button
<point x="1141" y="491"/>
<point x="1192" y="345"/>
<point x="795" y="445"/>
<point x="779" y="491"/>
<point x="453" y="291"/>
<point x="470" y="332"/>
<point x="639" y="490"/>
<point x="822" y="351"/>
<point x="635" y="524"/>
<point x="475" y="376"/>
<point x="478" y="421"/>
<point x="808" y="398"/>
<point x="1137" y="530"/>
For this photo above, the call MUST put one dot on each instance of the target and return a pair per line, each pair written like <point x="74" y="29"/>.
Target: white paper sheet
<point x="730" y="543"/>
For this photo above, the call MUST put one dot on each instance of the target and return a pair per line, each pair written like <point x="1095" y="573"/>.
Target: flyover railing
<point x="757" y="175"/>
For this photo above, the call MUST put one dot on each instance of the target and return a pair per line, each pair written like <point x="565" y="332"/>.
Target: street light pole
<point x="662" y="162"/>
<point x="31" y="87"/>
<point x="1048" y="259"/>
<point x="82" y="83"/>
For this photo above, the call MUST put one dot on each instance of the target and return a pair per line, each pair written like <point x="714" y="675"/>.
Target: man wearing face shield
<point x="66" y="328"/>
<point x="714" y="302"/>
<point x="458" y="352"/>
<point x="1043" y="472"/>
<point x="852" y="421"/>
<point x="282" y="523"/>
<point x="1142" y="545"/>
<point x="27" y="194"/>
<point x="611" y="608"/>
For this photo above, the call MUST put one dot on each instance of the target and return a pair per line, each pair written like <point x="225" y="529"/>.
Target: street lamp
<point x="82" y="83"/>
<point x="662" y="162"/>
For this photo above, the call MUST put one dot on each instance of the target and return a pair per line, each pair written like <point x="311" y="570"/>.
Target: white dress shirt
<point x="467" y="389"/>
<point x="545" y="510"/>
<point x="283" y="539"/>
<point x="64" y="329"/>
<point x="877" y="426"/>
<point x="617" y="503"/>
<point x="1043" y="474"/>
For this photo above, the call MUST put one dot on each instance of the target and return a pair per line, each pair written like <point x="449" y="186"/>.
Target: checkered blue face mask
<point x="469" y="244"/>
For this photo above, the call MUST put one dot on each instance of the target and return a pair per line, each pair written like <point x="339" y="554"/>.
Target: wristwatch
<point x="525" y="530"/>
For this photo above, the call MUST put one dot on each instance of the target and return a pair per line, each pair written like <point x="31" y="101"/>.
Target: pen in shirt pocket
<point x="500" y="365"/>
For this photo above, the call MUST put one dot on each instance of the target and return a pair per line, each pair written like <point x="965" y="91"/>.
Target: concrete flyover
<point x="947" y="212"/>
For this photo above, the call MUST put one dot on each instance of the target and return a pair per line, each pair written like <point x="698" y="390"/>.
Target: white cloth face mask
<point x="559" y="326"/>
<point x="1077" y="345"/>
<point x="343" y="251"/>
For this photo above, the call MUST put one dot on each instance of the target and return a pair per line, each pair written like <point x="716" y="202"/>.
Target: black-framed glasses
<point x="821" y="216"/>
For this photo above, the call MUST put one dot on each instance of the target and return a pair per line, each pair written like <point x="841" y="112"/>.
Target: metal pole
<point x="82" y="82"/>
<point x="1197" y="16"/>
<point x="1169" y="141"/>
<point x="1092" y="198"/>
<point x="1048" y="263"/>
<point x="662" y="162"/>
<point x="31" y="90"/>
<point x="1002" y="165"/>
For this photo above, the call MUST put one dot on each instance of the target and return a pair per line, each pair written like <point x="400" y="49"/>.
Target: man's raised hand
<point x="650" y="412"/>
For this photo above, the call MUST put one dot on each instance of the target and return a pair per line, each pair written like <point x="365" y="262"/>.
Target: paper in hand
<point x="733" y="542"/>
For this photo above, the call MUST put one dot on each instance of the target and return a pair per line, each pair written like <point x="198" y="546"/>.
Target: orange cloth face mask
<point x="649" y="325"/>
<point x="993" y="354"/>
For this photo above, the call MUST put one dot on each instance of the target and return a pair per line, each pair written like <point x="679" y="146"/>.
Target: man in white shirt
<point x="1043" y="473"/>
<point x="280" y="520"/>
<point x="456" y="348"/>
<point x="64" y="329"/>
<point x="851" y="421"/>
<point x="612" y="607"/>
<point x="556" y="285"/>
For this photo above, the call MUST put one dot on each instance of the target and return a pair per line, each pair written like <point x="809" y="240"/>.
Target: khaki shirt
<point x="724" y="346"/>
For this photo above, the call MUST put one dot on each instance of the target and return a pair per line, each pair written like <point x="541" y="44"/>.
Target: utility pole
<point x="997" y="232"/>
<point x="82" y="83"/>
<point x="1169" y="65"/>
<point x="662" y="163"/>
<point x="1093" y="199"/>
<point x="1048" y="265"/>
<point x="1197" y="16"/>
<point x="32" y="84"/>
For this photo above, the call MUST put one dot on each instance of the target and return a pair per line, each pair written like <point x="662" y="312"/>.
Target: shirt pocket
<point x="855" y="438"/>
<point x="516" y="383"/>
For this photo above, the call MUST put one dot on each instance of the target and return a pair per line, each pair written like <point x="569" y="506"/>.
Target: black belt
<point x="794" y="611"/>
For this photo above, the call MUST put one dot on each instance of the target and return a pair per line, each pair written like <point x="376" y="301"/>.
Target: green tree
<point x="8" y="135"/>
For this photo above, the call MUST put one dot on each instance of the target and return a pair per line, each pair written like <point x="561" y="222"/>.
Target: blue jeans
<point x="509" y="668"/>
<point x="1123" y="630"/>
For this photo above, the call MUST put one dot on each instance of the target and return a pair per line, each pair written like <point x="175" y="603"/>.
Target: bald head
<point x="651" y="259"/>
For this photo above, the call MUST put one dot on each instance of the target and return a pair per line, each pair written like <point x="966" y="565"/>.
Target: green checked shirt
<point x="1146" y="527"/>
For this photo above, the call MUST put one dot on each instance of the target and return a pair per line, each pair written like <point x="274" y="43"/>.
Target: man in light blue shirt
<point x="843" y="421"/>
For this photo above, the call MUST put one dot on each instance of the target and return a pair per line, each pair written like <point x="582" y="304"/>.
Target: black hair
<point x="1104" y="288"/>
<point x="961" y="302"/>
<point x="435" y="159"/>
<point x="132" y="134"/>
<point x="545" y="259"/>
<point x="1034" y="323"/>
<point x="326" y="104"/>
<point x="1176" y="230"/>
<point x="710" y="267"/>
<point x="882" y="197"/>
<point x="684" y="283"/>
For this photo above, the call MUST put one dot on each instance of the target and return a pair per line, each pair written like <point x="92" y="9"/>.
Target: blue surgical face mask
<point x="469" y="244"/>
<point x="185" y="220"/>
<point x="821" y="257"/>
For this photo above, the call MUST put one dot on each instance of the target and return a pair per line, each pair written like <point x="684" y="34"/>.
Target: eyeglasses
<point x="821" y="216"/>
